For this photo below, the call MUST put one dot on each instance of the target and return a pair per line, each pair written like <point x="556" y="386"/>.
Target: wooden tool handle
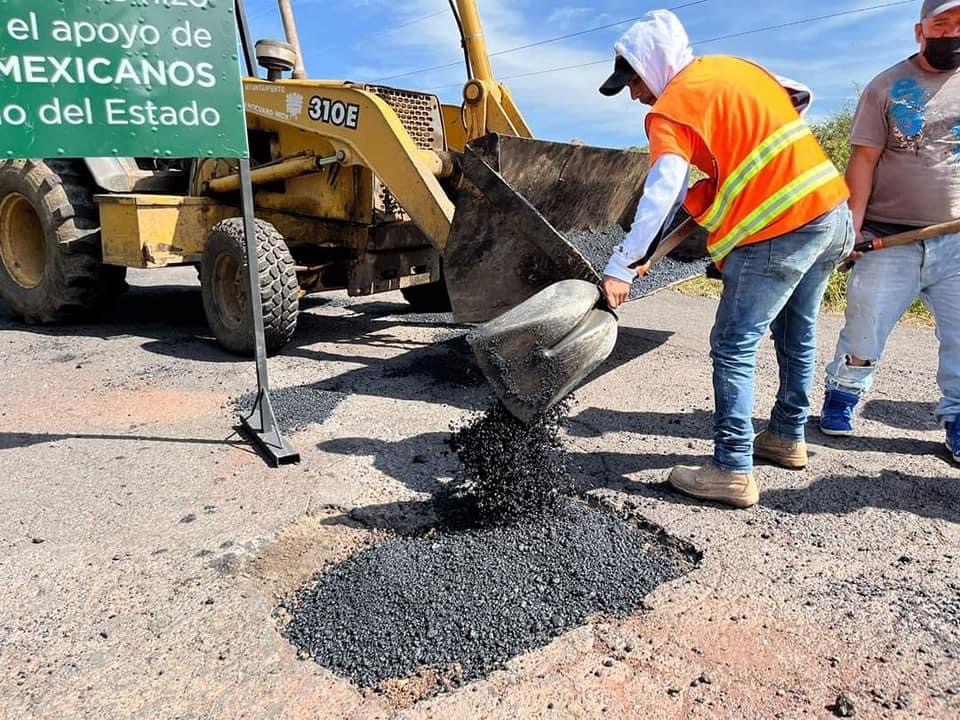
<point x="670" y="243"/>
<point x="905" y="238"/>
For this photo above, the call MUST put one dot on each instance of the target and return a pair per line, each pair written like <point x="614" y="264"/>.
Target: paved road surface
<point x="143" y="546"/>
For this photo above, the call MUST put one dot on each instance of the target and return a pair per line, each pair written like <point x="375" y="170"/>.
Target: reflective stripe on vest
<point x="751" y="166"/>
<point x="773" y="206"/>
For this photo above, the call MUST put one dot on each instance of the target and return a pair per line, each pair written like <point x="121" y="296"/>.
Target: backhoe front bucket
<point x="537" y="353"/>
<point x="518" y="202"/>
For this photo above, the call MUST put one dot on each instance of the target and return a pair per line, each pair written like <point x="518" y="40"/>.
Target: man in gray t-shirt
<point x="912" y="116"/>
<point x="904" y="172"/>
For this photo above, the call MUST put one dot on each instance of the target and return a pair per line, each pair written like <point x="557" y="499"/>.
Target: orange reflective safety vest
<point x="767" y="173"/>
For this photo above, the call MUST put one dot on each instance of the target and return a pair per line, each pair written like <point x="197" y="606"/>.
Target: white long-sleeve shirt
<point x="664" y="191"/>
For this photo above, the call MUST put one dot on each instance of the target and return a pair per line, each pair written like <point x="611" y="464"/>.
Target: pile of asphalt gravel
<point x="597" y="247"/>
<point x="465" y="602"/>
<point x="295" y="407"/>
<point x="509" y="469"/>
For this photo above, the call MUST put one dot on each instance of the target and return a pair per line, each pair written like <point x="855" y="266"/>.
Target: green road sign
<point x="134" y="78"/>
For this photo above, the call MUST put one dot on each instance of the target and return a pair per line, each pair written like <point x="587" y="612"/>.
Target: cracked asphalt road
<point x="144" y="547"/>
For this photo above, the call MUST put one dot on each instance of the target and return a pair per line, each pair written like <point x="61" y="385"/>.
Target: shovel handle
<point x="904" y="238"/>
<point x="670" y="243"/>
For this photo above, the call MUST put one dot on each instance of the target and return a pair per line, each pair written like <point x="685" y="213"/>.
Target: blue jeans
<point x="777" y="284"/>
<point x="882" y="286"/>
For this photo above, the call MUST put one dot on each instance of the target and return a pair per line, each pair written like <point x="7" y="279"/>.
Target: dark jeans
<point x="776" y="284"/>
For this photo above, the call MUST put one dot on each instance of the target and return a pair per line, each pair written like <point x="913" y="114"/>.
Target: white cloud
<point x="566" y="15"/>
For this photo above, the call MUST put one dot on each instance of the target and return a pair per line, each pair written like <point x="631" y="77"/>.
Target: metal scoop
<point x="518" y="203"/>
<point x="538" y="352"/>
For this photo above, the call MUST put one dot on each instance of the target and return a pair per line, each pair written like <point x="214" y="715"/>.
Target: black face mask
<point x="943" y="53"/>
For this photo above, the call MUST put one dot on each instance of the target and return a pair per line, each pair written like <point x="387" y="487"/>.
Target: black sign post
<point x="261" y="424"/>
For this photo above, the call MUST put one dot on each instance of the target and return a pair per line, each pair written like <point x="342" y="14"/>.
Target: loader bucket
<point x="518" y="202"/>
<point x="537" y="353"/>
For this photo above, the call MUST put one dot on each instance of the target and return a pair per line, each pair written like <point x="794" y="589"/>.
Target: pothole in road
<point x="417" y="597"/>
<point x="432" y="610"/>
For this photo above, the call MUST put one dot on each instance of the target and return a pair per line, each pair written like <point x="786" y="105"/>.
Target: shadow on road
<point x="596" y="422"/>
<point x="415" y="461"/>
<point x="889" y="446"/>
<point x="902" y="414"/>
<point x="405" y="517"/>
<point x="632" y="343"/>
<point x="932" y="497"/>
<point x="446" y="372"/>
<point x="13" y="440"/>
<point x="171" y="320"/>
<point x="442" y="373"/>
<point x="611" y="470"/>
<point x="171" y="308"/>
<point x="366" y="327"/>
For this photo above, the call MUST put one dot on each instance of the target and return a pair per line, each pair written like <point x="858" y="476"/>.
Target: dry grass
<point x="834" y="301"/>
<point x="701" y="286"/>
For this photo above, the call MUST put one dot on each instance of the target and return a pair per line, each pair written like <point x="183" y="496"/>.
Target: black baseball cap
<point x="623" y="73"/>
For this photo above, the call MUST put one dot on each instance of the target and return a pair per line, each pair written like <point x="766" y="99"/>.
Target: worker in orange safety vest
<point x="774" y="207"/>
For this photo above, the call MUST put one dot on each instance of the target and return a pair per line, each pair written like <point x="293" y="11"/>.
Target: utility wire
<point x="262" y="12"/>
<point x="807" y="20"/>
<point x="542" y="42"/>
<point x="414" y="21"/>
<point x="780" y="26"/>
<point x="593" y="29"/>
<point x="326" y="50"/>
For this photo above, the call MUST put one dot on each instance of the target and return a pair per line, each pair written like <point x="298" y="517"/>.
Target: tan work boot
<point x="791" y="454"/>
<point x="712" y="483"/>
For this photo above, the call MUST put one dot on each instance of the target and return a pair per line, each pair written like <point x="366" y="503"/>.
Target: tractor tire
<point x="51" y="261"/>
<point x="430" y="298"/>
<point x="223" y="285"/>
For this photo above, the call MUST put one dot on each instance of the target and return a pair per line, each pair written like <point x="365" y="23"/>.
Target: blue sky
<point x="370" y="40"/>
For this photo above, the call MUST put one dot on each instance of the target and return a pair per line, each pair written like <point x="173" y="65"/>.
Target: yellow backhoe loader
<point x="360" y="187"/>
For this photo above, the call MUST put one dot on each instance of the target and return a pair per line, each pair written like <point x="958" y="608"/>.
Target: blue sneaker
<point x="837" y="415"/>
<point x="953" y="440"/>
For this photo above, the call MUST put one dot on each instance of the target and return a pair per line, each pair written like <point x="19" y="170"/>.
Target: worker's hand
<point x="854" y="256"/>
<point x="616" y="291"/>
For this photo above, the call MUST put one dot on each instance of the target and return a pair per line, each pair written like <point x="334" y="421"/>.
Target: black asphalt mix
<point x="465" y="602"/>
<point x="513" y="563"/>
<point x="598" y="246"/>
<point x="508" y="469"/>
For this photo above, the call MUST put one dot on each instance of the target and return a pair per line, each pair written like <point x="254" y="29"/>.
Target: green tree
<point x="834" y="135"/>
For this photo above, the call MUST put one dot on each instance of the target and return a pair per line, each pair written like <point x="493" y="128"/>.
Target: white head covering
<point x="800" y="95"/>
<point x="657" y="48"/>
